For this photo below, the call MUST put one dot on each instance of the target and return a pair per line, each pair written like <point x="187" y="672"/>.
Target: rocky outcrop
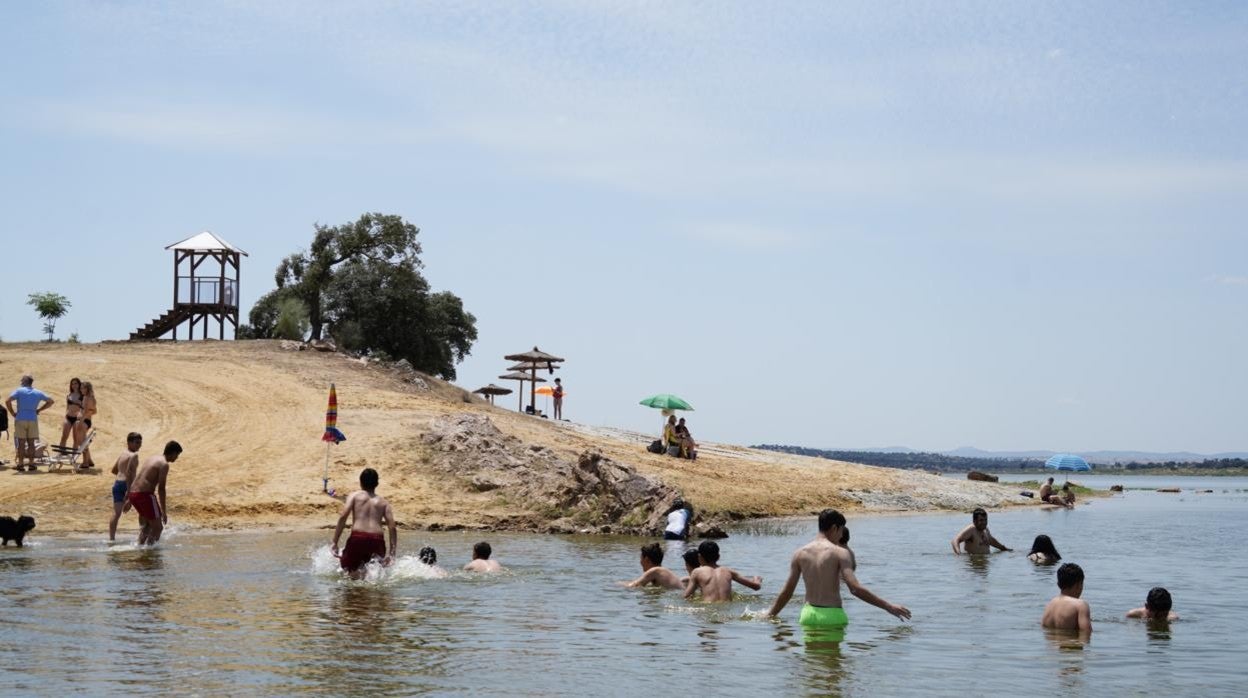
<point x="981" y="477"/>
<point x="564" y="495"/>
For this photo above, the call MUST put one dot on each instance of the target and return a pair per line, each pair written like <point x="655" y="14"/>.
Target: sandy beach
<point x="250" y="416"/>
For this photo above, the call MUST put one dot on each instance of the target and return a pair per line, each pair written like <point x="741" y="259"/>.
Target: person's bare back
<point x="126" y="466"/>
<point x="1067" y="613"/>
<point x="481" y="561"/>
<point x="821" y="562"/>
<point x="369" y="512"/>
<point x="716" y="583"/>
<point x="151" y="475"/>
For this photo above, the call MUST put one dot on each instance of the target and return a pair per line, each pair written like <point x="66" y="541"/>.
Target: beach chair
<point x="67" y="454"/>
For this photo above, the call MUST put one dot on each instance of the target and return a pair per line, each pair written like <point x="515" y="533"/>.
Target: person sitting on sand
<point x="1067" y="611"/>
<point x="147" y="494"/>
<point x="369" y="512"/>
<point x="653" y="573"/>
<point x="125" y="467"/>
<point x="715" y="581"/>
<point x="853" y="559"/>
<point x="670" y="438"/>
<point x="976" y="536"/>
<point x="688" y="447"/>
<point x="481" y="561"/>
<point x="821" y="565"/>
<point x="1156" y="606"/>
<point x="1068" y="496"/>
<point x="1043" y="551"/>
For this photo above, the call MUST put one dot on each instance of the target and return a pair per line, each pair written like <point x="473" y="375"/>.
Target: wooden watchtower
<point x="201" y="295"/>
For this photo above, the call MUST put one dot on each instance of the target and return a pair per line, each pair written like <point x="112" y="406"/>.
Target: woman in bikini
<point x="84" y="424"/>
<point x="73" y="410"/>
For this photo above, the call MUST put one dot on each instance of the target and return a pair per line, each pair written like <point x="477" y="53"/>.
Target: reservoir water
<point x="267" y="614"/>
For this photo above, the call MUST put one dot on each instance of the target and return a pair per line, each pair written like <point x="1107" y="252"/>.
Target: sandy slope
<point x="249" y="415"/>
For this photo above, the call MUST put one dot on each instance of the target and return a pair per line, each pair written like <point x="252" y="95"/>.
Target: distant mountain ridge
<point x="1090" y="456"/>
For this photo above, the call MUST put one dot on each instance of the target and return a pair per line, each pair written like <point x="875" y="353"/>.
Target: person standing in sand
<point x="976" y="536"/>
<point x="30" y="402"/>
<point x="821" y="565"/>
<point x="1067" y="611"/>
<point x="653" y="573"/>
<point x="557" y="394"/>
<point x="715" y="581"/>
<point x="124" y="470"/>
<point x="481" y="561"/>
<point x="147" y="495"/>
<point x="369" y="512"/>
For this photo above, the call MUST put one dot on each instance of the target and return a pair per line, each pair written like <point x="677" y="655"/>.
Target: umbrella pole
<point x="533" y="391"/>
<point x="520" y="398"/>
<point x="325" y="474"/>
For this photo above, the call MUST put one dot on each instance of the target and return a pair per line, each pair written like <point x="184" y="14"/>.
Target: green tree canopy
<point x="51" y="307"/>
<point x="362" y="282"/>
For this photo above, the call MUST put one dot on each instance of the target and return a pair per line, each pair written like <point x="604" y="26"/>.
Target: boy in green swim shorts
<point x="821" y="564"/>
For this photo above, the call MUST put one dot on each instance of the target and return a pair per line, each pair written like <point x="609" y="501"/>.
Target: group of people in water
<point x="26" y="403"/>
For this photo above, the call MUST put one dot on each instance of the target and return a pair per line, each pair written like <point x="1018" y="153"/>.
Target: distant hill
<point x="1014" y="462"/>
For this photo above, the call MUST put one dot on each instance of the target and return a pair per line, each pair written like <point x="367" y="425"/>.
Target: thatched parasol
<point x="521" y="377"/>
<point x="537" y="359"/>
<point x="491" y="390"/>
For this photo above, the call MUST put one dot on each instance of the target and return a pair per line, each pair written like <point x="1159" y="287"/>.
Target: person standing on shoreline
<point x="557" y="394"/>
<point x="125" y="468"/>
<point x="822" y="564"/>
<point x="369" y="512"/>
<point x="30" y="402"/>
<point x="976" y="536"/>
<point x="148" y="494"/>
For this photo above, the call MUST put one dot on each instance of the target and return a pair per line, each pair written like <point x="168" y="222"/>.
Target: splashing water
<point x="404" y="568"/>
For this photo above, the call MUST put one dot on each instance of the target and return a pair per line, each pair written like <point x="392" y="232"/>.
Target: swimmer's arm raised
<point x="858" y="590"/>
<point x="786" y="593"/>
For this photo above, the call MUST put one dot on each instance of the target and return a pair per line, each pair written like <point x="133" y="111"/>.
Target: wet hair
<point x="691" y="558"/>
<point x="709" y="550"/>
<point x="829" y="518"/>
<point x="428" y="555"/>
<point x="844" y="535"/>
<point x="1044" y="545"/>
<point x="172" y="448"/>
<point x="1069" y="575"/>
<point x="653" y="552"/>
<point x="134" y="436"/>
<point x="1158" y="601"/>
<point x="369" y="479"/>
<point x="979" y="511"/>
<point x="482" y="550"/>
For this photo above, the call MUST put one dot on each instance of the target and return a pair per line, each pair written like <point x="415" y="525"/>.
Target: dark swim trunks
<point x="119" y="491"/>
<point x="361" y="548"/>
<point x="146" y="504"/>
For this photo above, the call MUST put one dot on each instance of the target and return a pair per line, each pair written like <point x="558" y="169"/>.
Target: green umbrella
<point x="666" y="402"/>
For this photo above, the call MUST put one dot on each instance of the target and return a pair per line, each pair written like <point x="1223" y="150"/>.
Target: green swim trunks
<point x="823" y="617"/>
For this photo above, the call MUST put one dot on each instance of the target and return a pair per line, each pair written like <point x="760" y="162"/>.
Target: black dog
<point x="15" y="530"/>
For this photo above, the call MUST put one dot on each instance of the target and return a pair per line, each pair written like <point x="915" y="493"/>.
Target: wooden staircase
<point x="161" y="325"/>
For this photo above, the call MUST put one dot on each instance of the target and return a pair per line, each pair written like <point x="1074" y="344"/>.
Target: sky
<point x="831" y="224"/>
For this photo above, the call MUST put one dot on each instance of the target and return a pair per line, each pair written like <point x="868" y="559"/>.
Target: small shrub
<point x="73" y="338"/>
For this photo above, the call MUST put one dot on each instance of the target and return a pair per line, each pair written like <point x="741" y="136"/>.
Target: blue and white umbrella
<point x="1068" y="463"/>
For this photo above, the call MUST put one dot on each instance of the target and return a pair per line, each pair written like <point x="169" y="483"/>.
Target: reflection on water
<point x="271" y="614"/>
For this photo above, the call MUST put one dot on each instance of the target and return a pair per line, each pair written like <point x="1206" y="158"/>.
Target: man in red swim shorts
<point x="147" y="494"/>
<point x="369" y="512"/>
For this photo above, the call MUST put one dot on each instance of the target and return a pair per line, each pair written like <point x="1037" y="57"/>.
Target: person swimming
<point x="653" y="573"/>
<point x="1043" y="551"/>
<point x="481" y="561"/>
<point x="1156" y="606"/>
<point x="715" y="581"/>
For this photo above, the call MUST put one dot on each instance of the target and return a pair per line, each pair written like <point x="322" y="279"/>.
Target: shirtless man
<point x="481" y="561"/>
<point x="125" y="467"/>
<point x="147" y="494"/>
<point x="653" y="573"/>
<point x="822" y="564"/>
<point x="369" y="512"/>
<point x="1046" y="490"/>
<point x="1067" y="611"/>
<point x="715" y="581"/>
<point x="976" y="536"/>
<point x="1156" y="606"/>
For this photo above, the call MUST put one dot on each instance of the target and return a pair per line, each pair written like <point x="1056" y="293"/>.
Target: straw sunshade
<point x="537" y="359"/>
<point x="521" y="377"/>
<point x="491" y="390"/>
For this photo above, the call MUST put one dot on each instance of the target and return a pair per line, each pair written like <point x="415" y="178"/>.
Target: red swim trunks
<point x="146" y="504"/>
<point x="361" y="548"/>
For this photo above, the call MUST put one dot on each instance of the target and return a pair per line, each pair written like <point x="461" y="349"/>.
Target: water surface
<point x="267" y="614"/>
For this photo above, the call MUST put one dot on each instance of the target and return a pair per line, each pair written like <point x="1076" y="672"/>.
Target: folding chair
<point x="67" y="454"/>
